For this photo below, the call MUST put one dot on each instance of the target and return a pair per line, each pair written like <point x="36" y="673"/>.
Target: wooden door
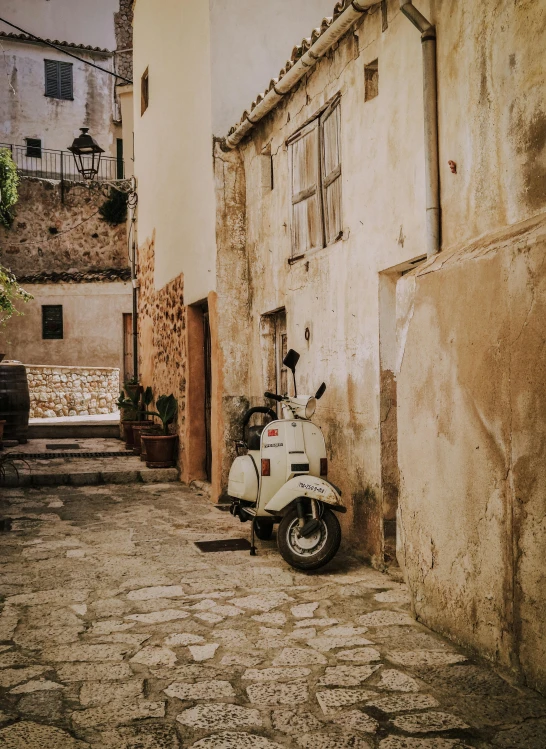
<point x="128" y="371"/>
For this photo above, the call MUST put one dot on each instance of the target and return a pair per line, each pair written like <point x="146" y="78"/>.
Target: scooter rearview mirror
<point x="320" y="391"/>
<point x="291" y="359"/>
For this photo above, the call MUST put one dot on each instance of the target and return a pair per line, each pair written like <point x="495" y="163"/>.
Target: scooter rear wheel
<point x="312" y="552"/>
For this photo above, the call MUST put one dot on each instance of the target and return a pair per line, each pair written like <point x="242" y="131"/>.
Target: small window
<point x="315" y="165"/>
<point x="58" y="79"/>
<point x="371" y="80"/>
<point x="34" y="148"/>
<point x="144" y="92"/>
<point x="52" y="321"/>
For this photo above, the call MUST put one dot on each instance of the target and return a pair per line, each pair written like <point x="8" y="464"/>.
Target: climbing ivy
<point x="9" y="179"/>
<point x="114" y="209"/>
<point x="10" y="294"/>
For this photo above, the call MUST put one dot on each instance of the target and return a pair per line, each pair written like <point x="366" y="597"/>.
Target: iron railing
<point x="46" y="163"/>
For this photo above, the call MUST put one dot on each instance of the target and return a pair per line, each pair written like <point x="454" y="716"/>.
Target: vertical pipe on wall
<point x="430" y="105"/>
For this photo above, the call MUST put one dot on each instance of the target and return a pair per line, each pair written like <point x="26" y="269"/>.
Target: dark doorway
<point x="208" y="392"/>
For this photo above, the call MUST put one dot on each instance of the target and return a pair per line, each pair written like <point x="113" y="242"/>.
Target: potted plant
<point x="133" y="388"/>
<point x="142" y="423"/>
<point x="160" y="448"/>
<point x="134" y="405"/>
<point x="152" y="428"/>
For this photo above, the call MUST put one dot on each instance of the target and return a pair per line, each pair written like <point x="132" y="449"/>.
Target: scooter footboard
<point x="312" y="487"/>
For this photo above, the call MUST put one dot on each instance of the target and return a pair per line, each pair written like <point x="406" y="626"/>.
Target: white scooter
<point x="282" y="479"/>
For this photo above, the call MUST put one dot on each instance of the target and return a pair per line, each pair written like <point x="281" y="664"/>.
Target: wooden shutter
<point x="306" y="203"/>
<point x="52" y="87"/>
<point x="65" y="78"/>
<point x="331" y="171"/>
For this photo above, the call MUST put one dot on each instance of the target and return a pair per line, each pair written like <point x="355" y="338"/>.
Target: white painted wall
<point x="78" y="21"/>
<point x="250" y="43"/>
<point x="173" y="148"/>
<point x="25" y="111"/>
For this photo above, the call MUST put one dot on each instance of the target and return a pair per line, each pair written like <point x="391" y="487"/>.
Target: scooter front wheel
<point x="311" y="552"/>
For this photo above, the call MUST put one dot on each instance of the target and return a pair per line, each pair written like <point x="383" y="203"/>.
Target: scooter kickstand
<point x="252" y="546"/>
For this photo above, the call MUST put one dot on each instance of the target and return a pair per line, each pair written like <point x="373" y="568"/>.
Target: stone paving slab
<point x="117" y="633"/>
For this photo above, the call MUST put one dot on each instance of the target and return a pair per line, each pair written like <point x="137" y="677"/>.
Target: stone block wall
<point x="72" y="391"/>
<point x="49" y="235"/>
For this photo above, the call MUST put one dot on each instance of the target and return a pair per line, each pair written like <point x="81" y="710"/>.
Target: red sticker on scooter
<point x="272" y="432"/>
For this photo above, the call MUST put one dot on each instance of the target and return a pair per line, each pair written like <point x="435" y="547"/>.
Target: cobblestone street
<point x="117" y="632"/>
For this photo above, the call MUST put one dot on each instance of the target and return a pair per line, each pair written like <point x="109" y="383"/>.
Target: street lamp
<point x="83" y="149"/>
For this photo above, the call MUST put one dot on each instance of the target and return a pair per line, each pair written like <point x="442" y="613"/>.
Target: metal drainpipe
<point x="430" y="100"/>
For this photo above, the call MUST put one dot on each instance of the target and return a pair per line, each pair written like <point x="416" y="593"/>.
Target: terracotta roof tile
<point x="90" y="276"/>
<point x="298" y="51"/>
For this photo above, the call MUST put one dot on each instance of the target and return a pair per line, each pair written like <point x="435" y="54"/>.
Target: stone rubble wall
<point x="72" y="391"/>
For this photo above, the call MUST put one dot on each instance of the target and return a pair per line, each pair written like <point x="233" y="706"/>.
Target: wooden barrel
<point x="14" y="400"/>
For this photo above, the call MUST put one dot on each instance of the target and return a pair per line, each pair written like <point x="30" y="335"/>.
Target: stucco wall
<point x="72" y="391"/>
<point x="51" y="236"/>
<point x="472" y="446"/>
<point x="25" y="112"/>
<point x="92" y="321"/>
<point x="173" y="162"/>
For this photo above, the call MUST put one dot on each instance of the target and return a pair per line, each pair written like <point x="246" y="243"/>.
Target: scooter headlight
<point x="310" y="408"/>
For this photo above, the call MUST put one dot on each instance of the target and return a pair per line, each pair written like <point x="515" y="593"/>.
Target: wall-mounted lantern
<point x="87" y="153"/>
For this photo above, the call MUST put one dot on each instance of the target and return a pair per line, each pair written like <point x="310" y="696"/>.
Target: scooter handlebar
<point x="273" y="396"/>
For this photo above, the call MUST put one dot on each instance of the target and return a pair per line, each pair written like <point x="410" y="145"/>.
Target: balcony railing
<point x="46" y="163"/>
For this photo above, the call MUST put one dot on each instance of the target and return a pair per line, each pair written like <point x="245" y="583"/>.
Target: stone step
<point x="69" y="476"/>
<point x="67" y="430"/>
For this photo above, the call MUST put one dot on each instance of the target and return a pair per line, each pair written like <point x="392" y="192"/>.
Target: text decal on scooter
<point x="310" y="487"/>
<point x="272" y="432"/>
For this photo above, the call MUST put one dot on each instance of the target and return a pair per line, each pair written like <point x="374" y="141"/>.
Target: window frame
<point x="33" y="148"/>
<point x="55" y="336"/>
<point x="144" y="91"/>
<point x="323" y="180"/>
<point x="60" y="65"/>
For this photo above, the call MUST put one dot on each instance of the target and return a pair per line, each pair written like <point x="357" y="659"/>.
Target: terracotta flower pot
<point x="128" y="431"/>
<point x="138" y="429"/>
<point x="160" y="450"/>
<point x="155" y="429"/>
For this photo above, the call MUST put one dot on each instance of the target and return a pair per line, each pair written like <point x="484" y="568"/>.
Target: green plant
<point x="10" y="293"/>
<point x="114" y="209"/>
<point x="135" y="401"/>
<point x="167" y="408"/>
<point x="9" y="180"/>
<point x="131" y="381"/>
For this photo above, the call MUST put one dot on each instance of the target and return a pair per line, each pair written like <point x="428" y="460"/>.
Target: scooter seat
<point x="254" y="435"/>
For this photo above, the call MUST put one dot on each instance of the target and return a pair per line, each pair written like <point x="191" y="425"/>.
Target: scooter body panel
<point x="293" y="447"/>
<point x="312" y="487"/>
<point x="244" y="477"/>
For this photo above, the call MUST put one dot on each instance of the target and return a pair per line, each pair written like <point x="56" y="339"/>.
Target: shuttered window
<point x="315" y="167"/>
<point x="306" y="209"/>
<point x="58" y="79"/>
<point x="331" y="172"/>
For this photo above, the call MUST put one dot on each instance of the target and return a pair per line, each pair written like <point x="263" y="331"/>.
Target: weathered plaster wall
<point x="230" y="317"/>
<point x="472" y="446"/>
<point x="162" y="337"/>
<point x="334" y="291"/>
<point x="42" y="237"/>
<point x="72" y="391"/>
<point x="490" y="74"/>
<point x="92" y="322"/>
<point x="25" y="112"/>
